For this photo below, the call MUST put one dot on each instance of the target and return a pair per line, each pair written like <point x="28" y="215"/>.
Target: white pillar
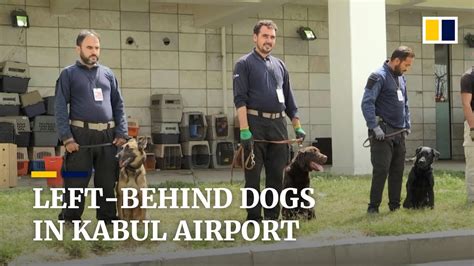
<point x="357" y="42"/>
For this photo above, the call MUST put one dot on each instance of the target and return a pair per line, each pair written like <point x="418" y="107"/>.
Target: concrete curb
<point x="405" y="249"/>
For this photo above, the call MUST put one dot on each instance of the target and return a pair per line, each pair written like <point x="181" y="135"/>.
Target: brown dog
<point x="131" y="158"/>
<point x="297" y="176"/>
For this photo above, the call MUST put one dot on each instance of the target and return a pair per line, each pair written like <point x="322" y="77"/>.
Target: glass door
<point x="442" y="95"/>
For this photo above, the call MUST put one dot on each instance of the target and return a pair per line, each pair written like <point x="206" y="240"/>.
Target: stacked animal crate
<point x="32" y="104"/>
<point x="14" y="130"/>
<point x="166" y="111"/>
<point x="8" y="130"/>
<point x="14" y="77"/>
<point x="21" y="128"/>
<point x="22" y="161"/>
<point x="44" y="139"/>
<point x="193" y="128"/>
<point x="9" y="104"/>
<point x="30" y="116"/>
<point x="221" y="148"/>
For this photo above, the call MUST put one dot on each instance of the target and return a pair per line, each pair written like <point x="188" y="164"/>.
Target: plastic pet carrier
<point x="166" y="108"/>
<point x="222" y="153"/>
<point x="193" y="127"/>
<point x="9" y="104"/>
<point x="195" y="154"/>
<point x="44" y="131"/>
<point x="168" y="156"/>
<point x="32" y="104"/>
<point x="217" y="126"/>
<point x="165" y="133"/>
<point x="14" y="77"/>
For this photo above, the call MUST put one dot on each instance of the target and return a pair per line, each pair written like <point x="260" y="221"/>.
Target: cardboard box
<point x="8" y="165"/>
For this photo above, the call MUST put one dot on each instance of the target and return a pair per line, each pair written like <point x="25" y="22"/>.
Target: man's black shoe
<point x="372" y="210"/>
<point x="392" y="209"/>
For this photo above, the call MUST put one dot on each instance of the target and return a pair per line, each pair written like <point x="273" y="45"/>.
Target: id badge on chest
<point x="400" y="96"/>
<point x="281" y="97"/>
<point x="98" y="96"/>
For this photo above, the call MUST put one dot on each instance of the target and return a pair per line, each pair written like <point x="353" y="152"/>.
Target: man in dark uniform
<point x="385" y="108"/>
<point x="467" y="89"/>
<point x="96" y="116"/>
<point x="263" y="97"/>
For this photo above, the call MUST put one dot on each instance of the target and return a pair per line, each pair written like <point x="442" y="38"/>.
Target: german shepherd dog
<point x="297" y="176"/>
<point x="131" y="158"/>
<point x="420" y="183"/>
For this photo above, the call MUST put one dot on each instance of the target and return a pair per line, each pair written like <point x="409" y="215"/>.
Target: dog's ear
<point x="299" y="159"/>
<point x="418" y="149"/>
<point x="435" y="153"/>
<point x="142" y="142"/>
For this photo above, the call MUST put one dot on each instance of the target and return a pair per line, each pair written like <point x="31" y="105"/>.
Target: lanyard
<point x="271" y="71"/>
<point x="92" y="80"/>
<point x="396" y="83"/>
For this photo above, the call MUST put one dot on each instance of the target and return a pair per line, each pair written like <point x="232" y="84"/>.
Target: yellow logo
<point x="440" y="30"/>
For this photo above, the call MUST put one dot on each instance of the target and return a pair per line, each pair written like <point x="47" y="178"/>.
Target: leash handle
<point x="95" y="145"/>
<point x="365" y="145"/>
<point x="65" y="155"/>
<point x="250" y="159"/>
<point x="249" y="163"/>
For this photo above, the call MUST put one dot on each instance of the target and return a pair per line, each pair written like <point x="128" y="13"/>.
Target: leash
<point x="249" y="163"/>
<point x="365" y="145"/>
<point x="286" y="141"/>
<point x="85" y="147"/>
<point x="95" y="145"/>
<point x="239" y="160"/>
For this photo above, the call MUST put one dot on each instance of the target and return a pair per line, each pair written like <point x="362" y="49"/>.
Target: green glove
<point x="245" y="134"/>
<point x="300" y="134"/>
<point x="246" y="138"/>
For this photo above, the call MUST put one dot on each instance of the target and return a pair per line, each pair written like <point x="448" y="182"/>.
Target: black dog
<point x="420" y="183"/>
<point x="297" y="176"/>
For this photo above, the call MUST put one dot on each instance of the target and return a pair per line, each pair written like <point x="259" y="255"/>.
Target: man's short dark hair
<point x="402" y="53"/>
<point x="266" y="22"/>
<point x="83" y="34"/>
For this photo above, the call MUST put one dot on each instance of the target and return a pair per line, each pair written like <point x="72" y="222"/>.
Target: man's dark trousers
<point x="388" y="159"/>
<point x="102" y="159"/>
<point x="273" y="156"/>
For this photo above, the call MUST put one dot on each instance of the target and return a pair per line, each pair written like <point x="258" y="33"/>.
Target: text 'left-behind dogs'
<point x="131" y="158"/>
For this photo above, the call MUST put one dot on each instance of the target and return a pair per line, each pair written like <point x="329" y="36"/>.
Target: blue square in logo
<point x="448" y="30"/>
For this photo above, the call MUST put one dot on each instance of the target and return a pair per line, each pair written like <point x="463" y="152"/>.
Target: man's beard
<point x="263" y="50"/>
<point x="88" y="60"/>
<point x="397" y="71"/>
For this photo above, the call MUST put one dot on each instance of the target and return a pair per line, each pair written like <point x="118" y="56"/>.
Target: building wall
<point x="191" y="63"/>
<point x="404" y="27"/>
